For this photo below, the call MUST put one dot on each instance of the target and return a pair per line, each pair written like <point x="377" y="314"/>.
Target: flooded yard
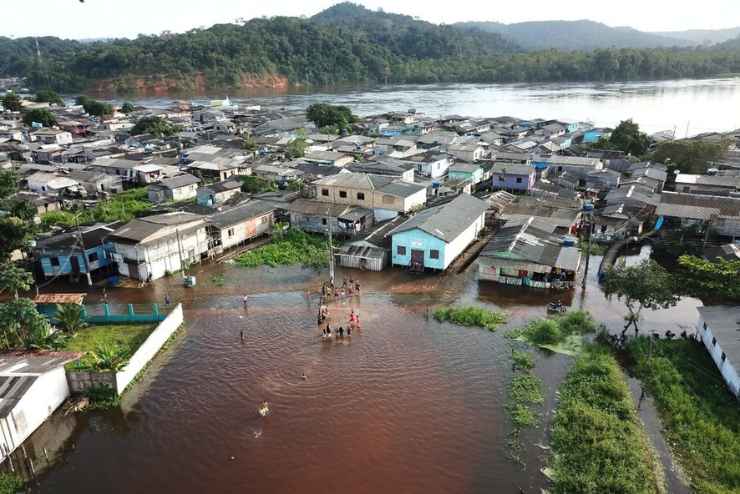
<point x="406" y="404"/>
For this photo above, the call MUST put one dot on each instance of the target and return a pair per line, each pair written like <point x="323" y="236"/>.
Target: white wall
<point x="726" y="368"/>
<point x="457" y="246"/>
<point x="37" y="404"/>
<point x="149" y="348"/>
<point x="415" y="200"/>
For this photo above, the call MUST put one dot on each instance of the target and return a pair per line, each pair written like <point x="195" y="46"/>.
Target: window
<point x="501" y="178"/>
<point x="724" y="357"/>
<point x="401" y="250"/>
<point x="687" y="189"/>
<point x="360" y="196"/>
<point x="323" y="221"/>
<point x="518" y="180"/>
<point x="705" y="326"/>
<point x="230" y="232"/>
<point x="343" y="194"/>
<point x="55" y="261"/>
<point x="434" y="254"/>
<point x="324" y="192"/>
<point x="92" y="257"/>
<point x="714" y="341"/>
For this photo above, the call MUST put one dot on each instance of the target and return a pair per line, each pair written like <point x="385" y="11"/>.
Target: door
<point x="75" y="264"/>
<point x="417" y="260"/>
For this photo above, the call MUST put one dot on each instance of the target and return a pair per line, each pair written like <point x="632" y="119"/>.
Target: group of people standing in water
<point x="340" y="332"/>
<point x="346" y="289"/>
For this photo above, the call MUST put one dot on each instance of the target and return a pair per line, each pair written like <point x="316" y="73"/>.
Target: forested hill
<point x="575" y="35"/>
<point x="344" y="44"/>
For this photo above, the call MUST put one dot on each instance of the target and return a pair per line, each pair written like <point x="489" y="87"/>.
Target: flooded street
<point x="406" y="403"/>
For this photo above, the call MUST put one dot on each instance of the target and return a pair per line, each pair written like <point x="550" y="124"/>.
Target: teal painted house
<point x="435" y="237"/>
<point x="465" y="171"/>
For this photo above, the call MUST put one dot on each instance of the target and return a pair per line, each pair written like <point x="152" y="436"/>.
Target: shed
<point x="362" y="255"/>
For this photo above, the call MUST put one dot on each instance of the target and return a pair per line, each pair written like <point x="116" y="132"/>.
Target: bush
<point x="544" y="332"/>
<point x="470" y="316"/>
<point x="10" y="483"/>
<point x="102" y="397"/>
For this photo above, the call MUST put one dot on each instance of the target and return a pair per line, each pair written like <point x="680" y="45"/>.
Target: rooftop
<point x="447" y="221"/>
<point x="724" y="322"/>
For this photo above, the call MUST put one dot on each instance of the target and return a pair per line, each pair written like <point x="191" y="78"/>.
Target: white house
<point x="50" y="183"/>
<point x="238" y="225"/>
<point x="719" y="329"/>
<point x="431" y="165"/>
<point x="179" y="188"/>
<point x="32" y="386"/>
<point x="149" y="248"/>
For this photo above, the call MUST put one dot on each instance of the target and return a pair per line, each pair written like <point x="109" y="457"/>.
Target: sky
<point x="127" y="18"/>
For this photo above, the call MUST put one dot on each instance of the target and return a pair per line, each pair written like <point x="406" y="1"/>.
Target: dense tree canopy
<point x="156" y="126"/>
<point x="346" y="43"/>
<point x="628" y="138"/>
<point x="49" y="96"/>
<point x="689" y="155"/>
<point x="325" y="115"/>
<point x="41" y="116"/>
<point x="12" y="102"/>
<point x="127" y="108"/>
<point x="713" y="280"/>
<point x="95" y="107"/>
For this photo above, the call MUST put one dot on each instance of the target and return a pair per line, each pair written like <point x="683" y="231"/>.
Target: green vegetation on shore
<point x="107" y="347"/>
<point x="700" y="416"/>
<point x="598" y="442"/>
<point x="291" y="247"/>
<point x="471" y="316"/>
<point x="120" y="207"/>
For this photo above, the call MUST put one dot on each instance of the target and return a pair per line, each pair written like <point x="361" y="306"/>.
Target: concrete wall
<point x="726" y="368"/>
<point x="79" y="381"/>
<point x="149" y="348"/>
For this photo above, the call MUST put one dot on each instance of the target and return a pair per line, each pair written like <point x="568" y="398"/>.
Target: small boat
<point x="556" y="308"/>
<point x="264" y="409"/>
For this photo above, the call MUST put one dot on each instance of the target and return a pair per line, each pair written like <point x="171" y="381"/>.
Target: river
<point x="688" y="106"/>
<point x="406" y="405"/>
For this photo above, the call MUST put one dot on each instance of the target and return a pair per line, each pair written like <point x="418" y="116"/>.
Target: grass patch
<point x="700" y="416"/>
<point x="291" y="247"/>
<point x="525" y="392"/>
<point x="218" y="280"/>
<point x="102" y="397"/>
<point x="596" y="249"/>
<point x="471" y="316"/>
<point x="598" y="442"/>
<point x="560" y="334"/>
<point x="121" y="207"/>
<point x="111" y="342"/>
<point x="10" y="483"/>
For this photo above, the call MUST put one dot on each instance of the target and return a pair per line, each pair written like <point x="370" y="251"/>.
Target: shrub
<point x="544" y="332"/>
<point x="293" y="247"/>
<point x="470" y="316"/>
<point x="10" y="483"/>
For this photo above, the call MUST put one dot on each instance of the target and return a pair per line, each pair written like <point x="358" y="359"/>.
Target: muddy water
<point x="406" y="405"/>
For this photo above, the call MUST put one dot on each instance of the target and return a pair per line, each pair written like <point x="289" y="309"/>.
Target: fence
<point x="125" y="313"/>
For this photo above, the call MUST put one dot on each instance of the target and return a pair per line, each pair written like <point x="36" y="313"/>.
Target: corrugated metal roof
<point x="447" y="221"/>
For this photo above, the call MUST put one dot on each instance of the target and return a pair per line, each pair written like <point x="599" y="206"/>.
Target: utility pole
<point x="331" y="249"/>
<point x="587" y="217"/>
<point x="82" y="248"/>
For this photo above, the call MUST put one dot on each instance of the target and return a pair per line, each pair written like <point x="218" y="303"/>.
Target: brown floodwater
<point x="405" y="405"/>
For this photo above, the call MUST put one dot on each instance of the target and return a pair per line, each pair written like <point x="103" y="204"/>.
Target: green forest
<point x="344" y="44"/>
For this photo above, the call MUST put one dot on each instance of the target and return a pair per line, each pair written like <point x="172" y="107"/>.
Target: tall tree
<point x="628" y="138"/>
<point x="41" y="116"/>
<point x="49" y="96"/>
<point x="12" y="102"/>
<point x="644" y="286"/>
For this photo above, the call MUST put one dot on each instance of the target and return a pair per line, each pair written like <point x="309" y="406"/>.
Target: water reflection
<point x="694" y="105"/>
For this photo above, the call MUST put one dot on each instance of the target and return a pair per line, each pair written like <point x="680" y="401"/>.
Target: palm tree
<point x="70" y="317"/>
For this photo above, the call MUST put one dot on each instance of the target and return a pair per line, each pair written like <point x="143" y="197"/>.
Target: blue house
<point x="436" y="236"/>
<point x="77" y="253"/>
<point x="512" y="177"/>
